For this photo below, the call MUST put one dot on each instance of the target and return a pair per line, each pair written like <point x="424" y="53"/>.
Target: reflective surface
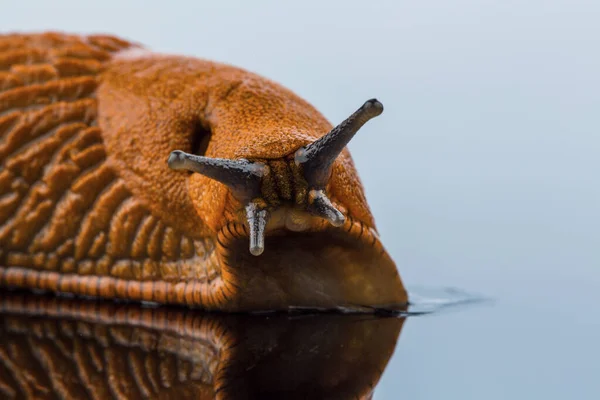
<point x="482" y="172"/>
<point x="57" y="348"/>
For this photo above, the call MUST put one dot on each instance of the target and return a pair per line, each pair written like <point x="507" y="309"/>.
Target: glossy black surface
<point x="66" y="348"/>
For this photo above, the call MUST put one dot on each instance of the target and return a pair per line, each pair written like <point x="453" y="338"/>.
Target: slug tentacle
<point x="318" y="157"/>
<point x="241" y="176"/>
<point x="321" y="205"/>
<point x="257" y="221"/>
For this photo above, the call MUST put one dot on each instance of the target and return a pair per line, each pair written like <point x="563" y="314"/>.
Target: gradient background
<point x="482" y="172"/>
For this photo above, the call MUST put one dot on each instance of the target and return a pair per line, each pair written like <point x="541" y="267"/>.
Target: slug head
<point x="288" y="193"/>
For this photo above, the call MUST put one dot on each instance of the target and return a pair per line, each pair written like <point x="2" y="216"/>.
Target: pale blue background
<point x="483" y="172"/>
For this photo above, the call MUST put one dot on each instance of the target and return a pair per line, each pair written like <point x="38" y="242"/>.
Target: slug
<point x="75" y="349"/>
<point x="126" y="174"/>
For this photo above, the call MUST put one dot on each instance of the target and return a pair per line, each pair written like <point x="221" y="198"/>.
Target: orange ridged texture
<point x="89" y="206"/>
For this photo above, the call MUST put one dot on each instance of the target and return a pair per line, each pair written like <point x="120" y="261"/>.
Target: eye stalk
<point x="244" y="177"/>
<point x="317" y="158"/>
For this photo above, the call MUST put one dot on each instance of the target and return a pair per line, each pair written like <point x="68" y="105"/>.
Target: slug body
<point x="90" y="206"/>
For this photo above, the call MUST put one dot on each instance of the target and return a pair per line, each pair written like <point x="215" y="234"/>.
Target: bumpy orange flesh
<point x="88" y="205"/>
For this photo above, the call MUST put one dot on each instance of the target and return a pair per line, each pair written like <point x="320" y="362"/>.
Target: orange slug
<point x="127" y="174"/>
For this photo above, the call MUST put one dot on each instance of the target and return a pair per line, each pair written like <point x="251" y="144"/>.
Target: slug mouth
<point x="290" y="221"/>
<point x="315" y="267"/>
<point x="295" y="220"/>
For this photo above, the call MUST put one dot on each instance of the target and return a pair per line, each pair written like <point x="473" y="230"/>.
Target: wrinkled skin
<point x="92" y="208"/>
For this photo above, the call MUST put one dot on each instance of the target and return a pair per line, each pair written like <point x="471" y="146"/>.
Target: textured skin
<point x="61" y="348"/>
<point x="88" y="205"/>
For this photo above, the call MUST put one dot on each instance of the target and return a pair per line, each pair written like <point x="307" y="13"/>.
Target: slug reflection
<point x="67" y="348"/>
